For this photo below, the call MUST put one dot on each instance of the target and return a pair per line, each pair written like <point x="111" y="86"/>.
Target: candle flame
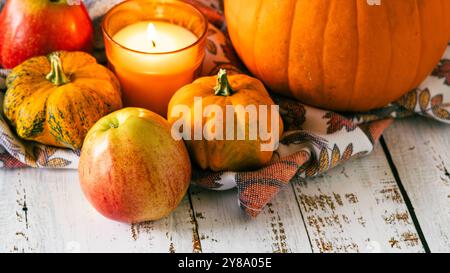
<point x="151" y="34"/>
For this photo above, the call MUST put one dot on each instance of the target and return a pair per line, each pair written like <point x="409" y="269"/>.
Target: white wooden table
<point x="395" y="200"/>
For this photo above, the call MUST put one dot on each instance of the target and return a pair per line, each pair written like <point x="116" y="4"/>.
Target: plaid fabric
<point x="315" y="140"/>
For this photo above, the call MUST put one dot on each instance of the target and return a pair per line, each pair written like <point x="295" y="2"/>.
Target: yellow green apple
<point x="131" y="169"/>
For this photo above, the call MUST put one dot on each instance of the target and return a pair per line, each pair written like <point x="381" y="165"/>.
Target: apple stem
<point x="223" y="87"/>
<point x="56" y="75"/>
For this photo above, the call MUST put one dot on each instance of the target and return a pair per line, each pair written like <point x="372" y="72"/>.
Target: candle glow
<point x="154" y="58"/>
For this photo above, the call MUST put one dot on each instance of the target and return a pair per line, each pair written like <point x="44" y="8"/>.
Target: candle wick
<point x="153" y="43"/>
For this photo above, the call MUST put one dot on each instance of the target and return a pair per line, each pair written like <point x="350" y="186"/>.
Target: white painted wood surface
<point x="224" y="227"/>
<point x="420" y="149"/>
<point x="358" y="207"/>
<point x="45" y="211"/>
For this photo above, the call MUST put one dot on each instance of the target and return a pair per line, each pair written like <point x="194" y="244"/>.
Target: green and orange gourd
<point x="56" y="99"/>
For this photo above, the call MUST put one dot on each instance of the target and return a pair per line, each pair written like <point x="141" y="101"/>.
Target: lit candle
<point x="153" y="59"/>
<point x="154" y="37"/>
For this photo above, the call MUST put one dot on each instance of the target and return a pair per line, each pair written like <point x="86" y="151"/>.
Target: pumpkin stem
<point x="56" y="75"/>
<point x="223" y="87"/>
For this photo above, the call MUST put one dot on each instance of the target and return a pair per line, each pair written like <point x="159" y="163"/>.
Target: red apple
<point x="131" y="169"/>
<point x="31" y="28"/>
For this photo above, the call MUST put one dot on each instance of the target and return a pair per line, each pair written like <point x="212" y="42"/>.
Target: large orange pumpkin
<point x="340" y="55"/>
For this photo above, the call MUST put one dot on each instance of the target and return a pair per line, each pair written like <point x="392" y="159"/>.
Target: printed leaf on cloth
<point x="315" y="140"/>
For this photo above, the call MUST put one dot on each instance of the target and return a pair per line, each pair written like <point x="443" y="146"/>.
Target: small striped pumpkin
<point x="56" y="99"/>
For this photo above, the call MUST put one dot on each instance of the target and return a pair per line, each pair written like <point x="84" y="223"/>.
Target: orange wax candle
<point x="155" y="56"/>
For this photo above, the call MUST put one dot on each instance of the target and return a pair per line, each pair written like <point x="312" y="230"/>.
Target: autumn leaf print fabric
<point x="315" y="140"/>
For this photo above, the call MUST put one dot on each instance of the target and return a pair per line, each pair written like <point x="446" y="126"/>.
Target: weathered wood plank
<point x="223" y="227"/>
<point x="45" y="211"/>
<point x="420" y="150"/>
<point x="357" y="207"/>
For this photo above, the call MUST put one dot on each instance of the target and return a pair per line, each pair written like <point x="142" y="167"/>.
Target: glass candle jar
<point x="155" y="47"/>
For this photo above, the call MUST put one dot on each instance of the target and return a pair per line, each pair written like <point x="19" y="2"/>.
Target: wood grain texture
<point x="420" y="150"/>
<point x="357" y="207"/>
<point x="45" y="211"/>
<point x="223" y="227"/>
